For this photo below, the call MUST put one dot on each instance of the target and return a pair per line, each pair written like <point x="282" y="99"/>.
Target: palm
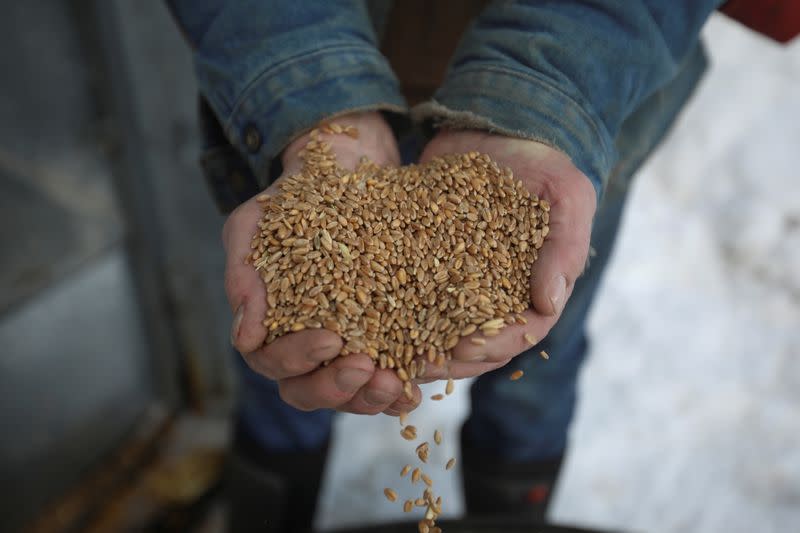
<point x="551" y="175"/>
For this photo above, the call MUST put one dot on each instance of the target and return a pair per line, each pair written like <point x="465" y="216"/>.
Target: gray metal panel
<point x="56" y="201"/>
<point x="73" y="378"/>
<point x="76" y="365"/>
<point x="108" y="236"/>
<point x="161" y="100"/>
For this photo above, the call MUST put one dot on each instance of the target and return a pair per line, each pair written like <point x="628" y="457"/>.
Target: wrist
<point x="372" y="137"/>
<point x="498" y="146"/>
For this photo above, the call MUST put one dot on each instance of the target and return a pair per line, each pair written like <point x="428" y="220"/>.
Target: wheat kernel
<point x="408" y="390"/>
<point x="409" y="433"/>
<point x="496" y="323"/>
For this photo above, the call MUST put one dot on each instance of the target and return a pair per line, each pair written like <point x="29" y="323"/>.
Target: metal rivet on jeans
<point x="252" y="138"/>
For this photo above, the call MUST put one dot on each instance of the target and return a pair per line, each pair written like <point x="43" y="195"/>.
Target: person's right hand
<point x="350" y="383"/>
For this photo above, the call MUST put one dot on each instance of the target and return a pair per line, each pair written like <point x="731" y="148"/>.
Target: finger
<point x="329" y="386"/>
<point x="378" y="394"/>
<point x="243" y="286"/>
<point x="405" y="405"/>
<point x="461" y="370"/>
<point x="431" y="378"/>
<point x="294" y="354"/>
<point x="457" y="369"/>
<point x="432" y="373"/>
<point x="511" y="341"/>
<point x="563" y="257"/>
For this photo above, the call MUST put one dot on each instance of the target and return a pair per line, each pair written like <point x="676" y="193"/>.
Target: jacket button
<point x="252" y="138"/>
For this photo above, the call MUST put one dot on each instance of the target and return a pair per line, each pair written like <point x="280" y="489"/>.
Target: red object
<point x="777" y="19"/>
<point x="537" y="493"/>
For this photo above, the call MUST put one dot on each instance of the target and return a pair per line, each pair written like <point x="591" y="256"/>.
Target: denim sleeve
<point x="566" y="72"/>
<point x="271" y="70"/>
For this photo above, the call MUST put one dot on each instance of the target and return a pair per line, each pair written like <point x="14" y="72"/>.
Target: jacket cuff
<point x="292" y="97"/>
<point x="525" y="106"/>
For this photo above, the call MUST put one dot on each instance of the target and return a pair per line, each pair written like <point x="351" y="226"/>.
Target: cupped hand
<point x="551" y="175"/>
<point x="295" y="361"/>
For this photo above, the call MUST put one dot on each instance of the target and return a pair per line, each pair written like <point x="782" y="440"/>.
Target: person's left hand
<point x="551" y="175"/>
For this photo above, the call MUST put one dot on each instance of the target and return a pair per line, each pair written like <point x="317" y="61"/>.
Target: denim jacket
<point x="570" y="73"/>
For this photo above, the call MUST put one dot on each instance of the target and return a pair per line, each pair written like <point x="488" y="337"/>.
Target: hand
<point x="351" y="383"/>
<point x="551" y="175"/>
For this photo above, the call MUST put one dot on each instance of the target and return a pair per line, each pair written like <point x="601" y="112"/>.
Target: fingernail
<point x="557" y="292"/>
<point x="351" y="379"/>
<point x="237" y="324"/>
<point x="377" y="397"/>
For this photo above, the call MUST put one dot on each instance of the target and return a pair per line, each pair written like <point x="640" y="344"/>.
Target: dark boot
<point x="272" y="492"/>
<point x="493" y="486"/>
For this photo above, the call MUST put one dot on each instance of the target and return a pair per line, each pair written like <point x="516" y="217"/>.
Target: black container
<point x="499" y="525"/>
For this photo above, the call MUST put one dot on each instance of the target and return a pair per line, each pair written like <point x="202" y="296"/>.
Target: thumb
<point x="562" y="258"/>
<point x="243" y="285"/>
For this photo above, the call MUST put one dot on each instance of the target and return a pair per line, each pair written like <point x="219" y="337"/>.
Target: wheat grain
<point x="409" y="432"/>
<point x="401" y="263"/>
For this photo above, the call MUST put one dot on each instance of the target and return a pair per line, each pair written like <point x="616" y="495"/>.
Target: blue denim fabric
<point x="281" y="67"/>
<point x="601" y="80"/>
<point x="566" y="72"/>
<point x="273" y="424"/>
